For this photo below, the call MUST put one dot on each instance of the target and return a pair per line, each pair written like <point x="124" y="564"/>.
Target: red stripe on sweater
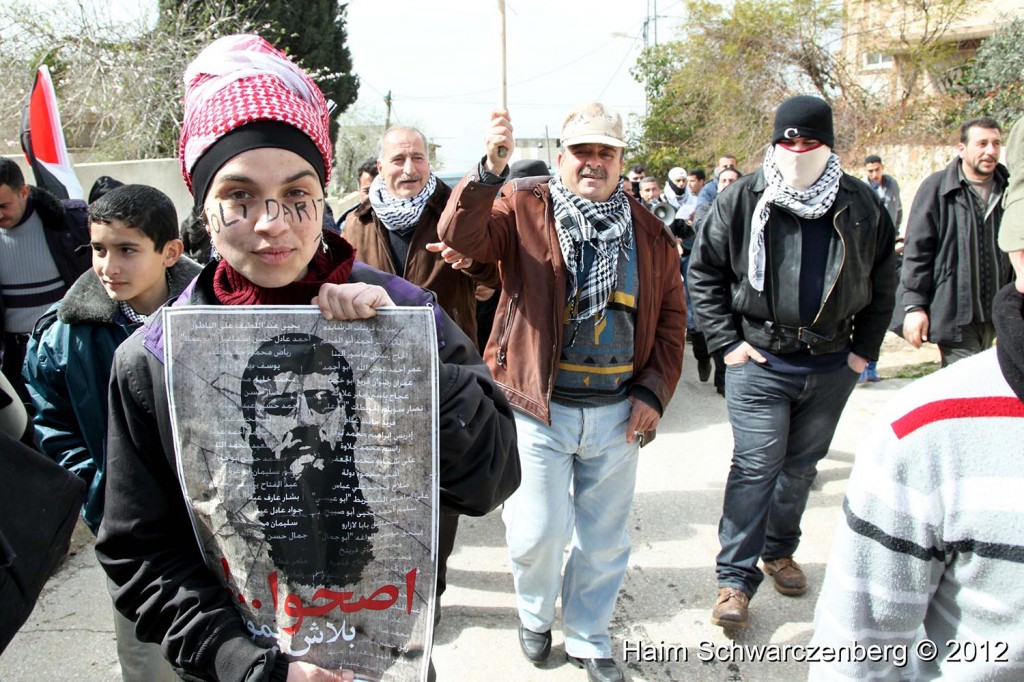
<point x="957" y="408"/>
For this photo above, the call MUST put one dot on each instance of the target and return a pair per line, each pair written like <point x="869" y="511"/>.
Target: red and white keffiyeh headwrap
<point x="241" y="79"/>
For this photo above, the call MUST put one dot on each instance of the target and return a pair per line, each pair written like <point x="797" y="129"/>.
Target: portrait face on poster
<point x="299" y="405"/>
<point x="301" y="451"/>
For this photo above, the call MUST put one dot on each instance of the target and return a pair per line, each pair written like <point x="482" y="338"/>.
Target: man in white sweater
<point x="927" y="564"/>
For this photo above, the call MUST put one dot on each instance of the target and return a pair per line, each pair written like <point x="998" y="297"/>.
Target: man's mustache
<point x="596" y="173"/>
<point x="416" y="177"/>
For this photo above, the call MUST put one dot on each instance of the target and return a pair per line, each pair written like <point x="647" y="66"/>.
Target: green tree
<point x="312" y="32"/>
<point x="993" y="78"/>
<point x="713" y="90"/>
<point x="118" y="83"/>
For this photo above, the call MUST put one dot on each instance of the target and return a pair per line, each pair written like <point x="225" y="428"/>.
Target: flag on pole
<point x="42" y="139"/>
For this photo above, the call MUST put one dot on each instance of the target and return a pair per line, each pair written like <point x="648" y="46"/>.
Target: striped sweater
<point x="931" y="543"/>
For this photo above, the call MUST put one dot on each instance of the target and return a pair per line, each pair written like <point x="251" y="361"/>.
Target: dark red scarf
<point x="333" y="267"/>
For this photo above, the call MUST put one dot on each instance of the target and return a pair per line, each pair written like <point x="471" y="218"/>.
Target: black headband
<point x="256" y="135"/>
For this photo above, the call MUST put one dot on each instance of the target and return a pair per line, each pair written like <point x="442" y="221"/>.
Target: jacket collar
<point x="49" y="208"/>
<point x="951" y="177"/>
<point x="642" y="219"/>
<point x="87" y="300"/>
<point x="848" y="185"/>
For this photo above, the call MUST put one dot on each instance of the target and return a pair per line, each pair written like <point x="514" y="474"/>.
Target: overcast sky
<point x="440" y="59"/>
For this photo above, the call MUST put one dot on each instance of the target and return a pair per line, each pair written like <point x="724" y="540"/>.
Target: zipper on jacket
<point x="510" y="315"/>
<point x="831" y="288"/>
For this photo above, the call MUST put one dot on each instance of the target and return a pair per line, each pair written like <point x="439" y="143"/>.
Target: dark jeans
<point x="700" y="345"/>
<point x="448" y="526"/>
<point x="782" y="424"/>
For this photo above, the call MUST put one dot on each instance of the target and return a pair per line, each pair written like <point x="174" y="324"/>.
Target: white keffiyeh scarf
<point x="400" y="215"/>
<point x="813" y="202"/>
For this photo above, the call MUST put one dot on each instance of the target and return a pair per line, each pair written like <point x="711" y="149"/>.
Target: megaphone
<point x="665" y="212"/>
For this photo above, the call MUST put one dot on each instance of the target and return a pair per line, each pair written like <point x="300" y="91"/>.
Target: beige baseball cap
<point x="1011" y="229"/>
<point x="592" y="123"/>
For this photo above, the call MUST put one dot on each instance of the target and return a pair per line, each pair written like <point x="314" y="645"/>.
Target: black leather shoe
<point x="536" y="646"/>
<point x="598" y="669"/>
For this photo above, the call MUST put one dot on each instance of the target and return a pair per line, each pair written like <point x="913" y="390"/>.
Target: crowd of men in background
<point x="791" y="275"/>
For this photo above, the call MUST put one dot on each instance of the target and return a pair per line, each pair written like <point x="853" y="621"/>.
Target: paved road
<point x="665" y="601"/>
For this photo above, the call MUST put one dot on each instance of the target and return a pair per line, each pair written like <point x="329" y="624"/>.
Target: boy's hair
<point x="11" y="175"/>
<point x="142" y="207"/>
<point x="699" y="174"/>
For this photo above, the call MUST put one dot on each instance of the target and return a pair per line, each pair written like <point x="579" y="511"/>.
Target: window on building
<point x="878" y="60"/>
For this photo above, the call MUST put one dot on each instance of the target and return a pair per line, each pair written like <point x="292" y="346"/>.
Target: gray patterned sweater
<point x="931" y="543"/>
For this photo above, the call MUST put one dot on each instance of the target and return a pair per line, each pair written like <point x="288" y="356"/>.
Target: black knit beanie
<point x="804" y="116"/>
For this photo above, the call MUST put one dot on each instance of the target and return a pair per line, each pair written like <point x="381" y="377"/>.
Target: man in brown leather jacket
<point x="587" y="345"/>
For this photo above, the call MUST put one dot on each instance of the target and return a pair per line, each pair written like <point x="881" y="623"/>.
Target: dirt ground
<point x="900" y="359"/>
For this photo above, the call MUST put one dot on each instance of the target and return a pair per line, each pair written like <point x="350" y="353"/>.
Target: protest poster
<point x="307" y="453"/>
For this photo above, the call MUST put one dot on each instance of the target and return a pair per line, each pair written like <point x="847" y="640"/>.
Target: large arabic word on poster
<point x="307" y="451"/>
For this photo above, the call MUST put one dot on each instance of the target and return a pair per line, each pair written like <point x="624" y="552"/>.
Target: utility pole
<point x="387" y="118"/>
<point x="655" y="17"/>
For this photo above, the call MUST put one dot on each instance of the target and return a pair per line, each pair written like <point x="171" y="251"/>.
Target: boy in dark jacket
<point x="136" y="267"/>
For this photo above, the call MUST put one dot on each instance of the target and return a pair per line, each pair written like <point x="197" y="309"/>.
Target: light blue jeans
<point x="577" y="487"/>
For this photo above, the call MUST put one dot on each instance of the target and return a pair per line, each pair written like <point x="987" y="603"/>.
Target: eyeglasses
<point x="321" y="401"/>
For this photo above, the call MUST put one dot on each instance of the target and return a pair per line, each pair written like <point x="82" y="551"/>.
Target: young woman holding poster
<point x="255" y="152"/>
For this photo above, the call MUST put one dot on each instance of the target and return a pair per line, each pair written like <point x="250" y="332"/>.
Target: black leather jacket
<point x="860" y="276"/>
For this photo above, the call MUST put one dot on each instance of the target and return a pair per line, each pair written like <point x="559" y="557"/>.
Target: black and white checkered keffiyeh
<point x="813" y="202"/>
<point x="400" y="215"/>
<point x="605" y="227"/>
<point x="129" y="312"/>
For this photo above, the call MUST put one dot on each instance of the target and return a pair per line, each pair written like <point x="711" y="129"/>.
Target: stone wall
<point x="909" y="164"/>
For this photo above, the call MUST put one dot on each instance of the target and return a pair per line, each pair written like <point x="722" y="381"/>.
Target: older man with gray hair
<point x="395" y="231"/>
<point x="587" y="362"/>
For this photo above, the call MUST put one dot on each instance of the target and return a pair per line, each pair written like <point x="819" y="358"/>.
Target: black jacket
<point x="860" y="276"/>
<point x="147" y="544"/>
<point x="66" y="226"/>
<point x="941" y="235"/>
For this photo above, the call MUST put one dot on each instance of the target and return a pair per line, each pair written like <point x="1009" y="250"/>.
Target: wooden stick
<point x="503" y="89"/>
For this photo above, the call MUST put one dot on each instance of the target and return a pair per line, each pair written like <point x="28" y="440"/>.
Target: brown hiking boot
<point x="730" y="610"/>
<point x="786" y="574"/>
